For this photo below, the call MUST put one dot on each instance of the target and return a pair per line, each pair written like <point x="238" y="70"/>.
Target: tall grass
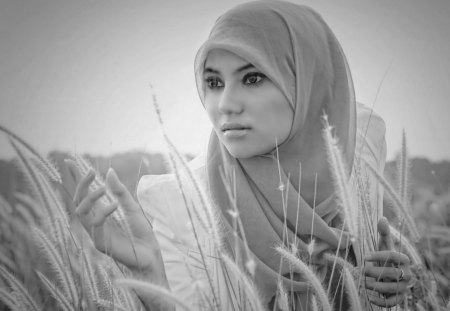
<point x="48" y="260"/>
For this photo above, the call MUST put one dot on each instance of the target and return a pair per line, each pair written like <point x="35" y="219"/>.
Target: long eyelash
<point x="259" y="74"/>
<point x="207" y="81"/>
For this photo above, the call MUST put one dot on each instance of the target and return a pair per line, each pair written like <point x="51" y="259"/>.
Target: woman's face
<point x="249" y="113"/>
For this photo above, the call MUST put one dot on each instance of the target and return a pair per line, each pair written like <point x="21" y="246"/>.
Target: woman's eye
<point x="213" y="82"/>
<point x="253" y="78"/>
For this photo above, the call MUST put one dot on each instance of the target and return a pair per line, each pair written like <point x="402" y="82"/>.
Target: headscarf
<point x="297" y="51"/>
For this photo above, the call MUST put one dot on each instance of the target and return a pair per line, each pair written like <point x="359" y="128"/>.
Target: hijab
<point x="297" y="51"/>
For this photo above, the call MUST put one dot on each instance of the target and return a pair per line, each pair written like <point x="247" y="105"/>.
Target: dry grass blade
<point x="440" y="233"/>
<point x="210" y="217"/>
<point x="239" y="232"/>
<point x="249" y="288"/>
<point x="125" y="298"/>
<point x="8" y="300"/>
<point x="340" y="176"/>
<point x="31" y="205"/>
<point x="43" y="191"/>
<point x="90" y="279"/>
<point x="309" y="276"/>
<point x="105" y="283"/>
<point x="283" y="300"/>
<point x="314" y="304"/>
<point x="20" y="293"/>
<point x="402" y="171"/>
<point x="54" y="258"/>
<point x="216" y="299"/>
<point x="154" y="290"/>
<point x="52" y="171"/>
<point x="406" y="246"/>
<point x="60" y="297"/>
<point x="333" y="259"/>
<point x="31" y="175"/>
<point x="109" y="305"/>
<point x="6" y="261"/>
<point x="352" y="291"/>
<point x="400" y="209"/>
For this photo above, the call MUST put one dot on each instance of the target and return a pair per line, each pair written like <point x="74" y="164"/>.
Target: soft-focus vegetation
<point x="47" y="260"/>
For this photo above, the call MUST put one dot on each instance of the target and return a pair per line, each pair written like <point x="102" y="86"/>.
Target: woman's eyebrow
<point x="240" y="69"/>
<point x="248" y="66"/>
<point x="211" y="70"/>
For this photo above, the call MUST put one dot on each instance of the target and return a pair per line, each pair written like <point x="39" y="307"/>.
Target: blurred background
<point x="75" y="78"/>
<point x="75" y="75"/>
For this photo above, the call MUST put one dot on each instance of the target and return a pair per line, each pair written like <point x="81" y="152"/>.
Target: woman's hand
<point x="387" y="271"/>
<point x="141" y="253"/>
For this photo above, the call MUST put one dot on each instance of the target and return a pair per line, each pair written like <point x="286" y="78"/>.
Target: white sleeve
<point x="161" y="199"/>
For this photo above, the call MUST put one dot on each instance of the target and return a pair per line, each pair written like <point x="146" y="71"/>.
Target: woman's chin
<point x="240" y="152"/>
<point x="245" y="151"/>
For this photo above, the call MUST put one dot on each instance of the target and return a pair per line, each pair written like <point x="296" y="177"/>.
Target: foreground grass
<point x="47" y="260"/>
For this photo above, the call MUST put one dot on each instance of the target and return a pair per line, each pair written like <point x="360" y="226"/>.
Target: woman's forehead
<point x="220" y="58"/>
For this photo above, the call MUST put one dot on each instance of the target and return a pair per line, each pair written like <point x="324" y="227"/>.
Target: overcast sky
<point x="74" y="75"/>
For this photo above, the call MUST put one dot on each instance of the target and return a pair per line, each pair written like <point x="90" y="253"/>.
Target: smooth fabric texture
<point x="162" y="200"/>
<point x="298" y="52"/>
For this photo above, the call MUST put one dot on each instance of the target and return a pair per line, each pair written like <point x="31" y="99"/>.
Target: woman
<point x="267" y="75"/>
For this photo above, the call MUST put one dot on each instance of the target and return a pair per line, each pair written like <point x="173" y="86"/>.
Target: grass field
<point x="48" y="262"/>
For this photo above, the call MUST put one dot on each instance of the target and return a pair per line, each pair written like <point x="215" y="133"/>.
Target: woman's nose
<point x="230" y="101"/>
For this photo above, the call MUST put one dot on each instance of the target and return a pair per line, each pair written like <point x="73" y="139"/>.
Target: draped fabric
<point x="297" y="51"/>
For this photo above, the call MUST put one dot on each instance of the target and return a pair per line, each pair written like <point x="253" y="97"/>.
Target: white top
<point x="163" y="200"/>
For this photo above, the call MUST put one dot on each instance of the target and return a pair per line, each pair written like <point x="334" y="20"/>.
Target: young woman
<point x="267" y="75"/>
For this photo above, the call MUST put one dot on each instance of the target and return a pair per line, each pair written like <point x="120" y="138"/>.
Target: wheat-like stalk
<point x="253" y="297"/>
<point x="31" y="173"/>
<point x="90" y="278"/>
<point x="155" y="290"/>
<point x="331" y="258"/>
<point x="105" y="282"/>
<point x="56" y="262"/>
<point x="210" y="217"/>
<point x="47" y="169"/>
<point x="400" y="209"/>
<point x="283" y="300"/>
<point x="403" y="170"/>
<point x="352" y="291"/>
<point x="340" y="177"/>
<point x="216" y="299"/>
<point x="309" y="275"/>
<point x="406" y="245"/>
<point x="109" y="305"/>
<point x="47" y="166"/>
<point x="30" y="205"/>
<point x="59" y="296"/>
<point x="19" y="293"/>
<point x="8" y="300"/>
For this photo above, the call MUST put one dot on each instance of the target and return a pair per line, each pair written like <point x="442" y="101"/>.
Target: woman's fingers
<point x="385" y="257"/>
<point x="88" y="202"/>
<point x="387" y="273"/>
<point x="119" y="190"/>
<point x="392" y="288"/>
<point x="385" y="241"/>
<point x="98" y="213"/>
<point x="83" y="187"/>
<point x="386" y="302"/>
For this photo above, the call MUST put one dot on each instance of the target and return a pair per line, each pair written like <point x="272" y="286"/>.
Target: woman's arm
<point x="142" y="255"/>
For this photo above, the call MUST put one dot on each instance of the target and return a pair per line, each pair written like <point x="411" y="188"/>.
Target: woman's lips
<point x="234" y="130"/>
